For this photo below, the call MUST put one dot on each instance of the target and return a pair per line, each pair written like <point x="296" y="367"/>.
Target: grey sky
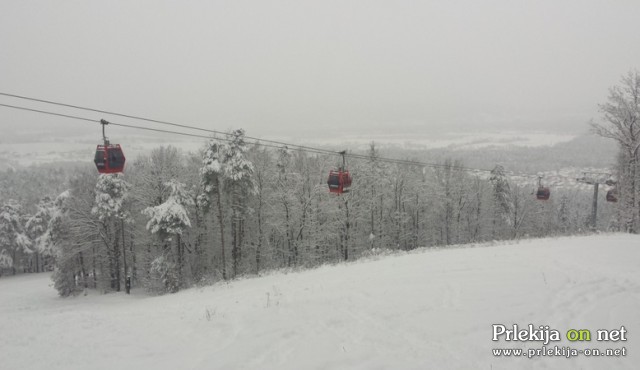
<point x="304" y="68"/>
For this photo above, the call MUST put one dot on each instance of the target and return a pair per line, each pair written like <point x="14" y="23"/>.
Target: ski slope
<point x="427" y="309"/>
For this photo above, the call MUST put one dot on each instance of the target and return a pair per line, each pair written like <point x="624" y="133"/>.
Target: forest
<point x="175" y="219"/>
<point x="239" y="207"/>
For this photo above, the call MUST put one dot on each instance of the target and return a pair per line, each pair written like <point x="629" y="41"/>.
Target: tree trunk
<point x="287" y="235"/>
<point x="631" y="225"/>
<point x="221" y="224"/>
<point x="124" y="251"/>
<point x="84" y="272"/>
<point x="346" y="231"/>
<point x="234" y="243"/>
<point x="134" y="268"/>
<point x="180" y="258"/>
<point x="93" y="268"/>
<point x="260" y="236"/>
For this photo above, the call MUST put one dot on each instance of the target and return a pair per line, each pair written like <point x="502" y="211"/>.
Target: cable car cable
<point x="144" y="128"/>
<point x="50" y="113"/>
<point x="154" y="120"/>
<point x="256" y="141"/>
<point x="311" y="149"/>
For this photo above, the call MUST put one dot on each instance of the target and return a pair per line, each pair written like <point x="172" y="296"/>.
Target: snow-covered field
<point x="452" y="140"/>
<point x="428" y="309"/>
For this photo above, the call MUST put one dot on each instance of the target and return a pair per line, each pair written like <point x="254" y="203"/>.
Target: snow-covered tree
<point x="262" y="176"/>
<point x="111" y="192"/>
<point x="48" y="244"/>
<point x="56" y="242"/>
<point x="171" y="216"/>
<point x="240" y="184"/>
<point x="35" y="228"/>
<point x="563" y="218"/>
<point x="14" y="243"/>
<point x="169" y="220"/>
<point x="621" y="122"/>
<point x="374" y="183"/>
<point x="285" y="186"/>
<point x="454" y="196"/>
<point x="502" y="203"/>
<point x="211" y="173"/>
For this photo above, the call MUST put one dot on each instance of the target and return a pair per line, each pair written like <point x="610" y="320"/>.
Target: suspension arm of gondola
<point x="104" y="122"/>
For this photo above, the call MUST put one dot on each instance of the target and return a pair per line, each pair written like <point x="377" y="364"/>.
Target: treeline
<point x="620" y="121"/>
<point x="175" y="219"/>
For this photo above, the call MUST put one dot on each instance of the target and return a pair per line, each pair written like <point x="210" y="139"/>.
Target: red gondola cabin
<point x="339" y="181"/>
<point x="612" y="196"/>
<point x="543" y="193"/>
<point x="109" y="158"/>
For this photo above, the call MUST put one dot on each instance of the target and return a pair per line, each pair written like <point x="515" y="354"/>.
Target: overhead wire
<point x="50" y="113"/>
<point x="256" y="141"/>
<point x="127" y="126"/>
<point x="155" y="121"/>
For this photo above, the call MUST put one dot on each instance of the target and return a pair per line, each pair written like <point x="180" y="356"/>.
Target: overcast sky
<point x="305" y="68"/>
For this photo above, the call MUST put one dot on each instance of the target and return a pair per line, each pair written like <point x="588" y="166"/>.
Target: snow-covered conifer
<point x="211" y="174"/>
<point x="111" y="192"/>
<point x="170" y="219"/>
<point x="240" y="183"/>
<point x="14" y="243"/>
<point x="502" y="205"/>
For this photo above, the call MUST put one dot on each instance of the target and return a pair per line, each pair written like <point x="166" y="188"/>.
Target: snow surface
<point x="428" y="309"/>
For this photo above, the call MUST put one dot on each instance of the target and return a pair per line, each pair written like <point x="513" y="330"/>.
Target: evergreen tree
<point x="240" y="184"/>
<point x="502" y="206"/>
<point x="111" y="192"/>
<point x="35" y="227"/>
<point x="169" y="220"/>
<point x="211" y="173"/>
<point x="14" y="243"/>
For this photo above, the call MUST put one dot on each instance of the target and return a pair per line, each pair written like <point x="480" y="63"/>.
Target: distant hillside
<point x="518" y="153"/>
<point x="585" y="151"/>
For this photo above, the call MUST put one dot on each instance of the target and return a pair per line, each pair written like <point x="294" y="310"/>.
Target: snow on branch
<point x="171" y="217"/>
<point x="111" y="192"/>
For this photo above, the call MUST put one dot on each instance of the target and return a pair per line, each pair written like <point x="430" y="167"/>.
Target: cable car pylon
<point x="592" y="179"/>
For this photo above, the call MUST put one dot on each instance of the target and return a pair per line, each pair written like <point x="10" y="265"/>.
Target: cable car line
<point x="308" y="148"/>
<point x="201" y="136"/>
<point x="257" y="141"/>
<point x="50" y="113"/>
<point x="311" y="150"/>
<point x="158" y="121"/>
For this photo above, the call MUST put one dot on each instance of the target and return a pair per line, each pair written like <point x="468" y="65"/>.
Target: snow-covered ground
<point x="428" y="309"/>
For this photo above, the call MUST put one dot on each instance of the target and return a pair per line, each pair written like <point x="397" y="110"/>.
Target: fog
<point x="303" y="69"/>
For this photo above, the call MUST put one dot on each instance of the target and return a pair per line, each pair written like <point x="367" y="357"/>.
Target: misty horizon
<point x="304" y="71"/>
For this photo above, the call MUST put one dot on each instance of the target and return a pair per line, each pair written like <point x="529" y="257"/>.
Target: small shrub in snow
<point x="65" y="282"/>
